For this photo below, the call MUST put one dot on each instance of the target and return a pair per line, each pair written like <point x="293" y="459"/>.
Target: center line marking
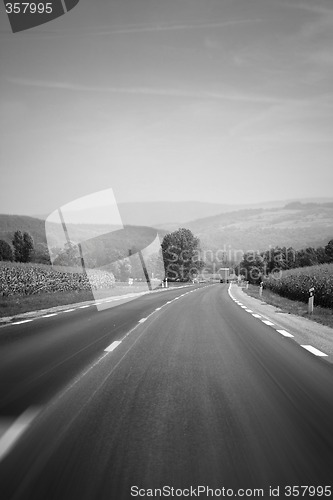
<point x="9" y="438"/>
<point x="113" y="346"/>
<point x="314" y="350"/>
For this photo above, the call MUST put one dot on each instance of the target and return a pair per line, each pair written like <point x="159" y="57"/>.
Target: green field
<point x="31" y="287"/>
<point x="295" y="284"/>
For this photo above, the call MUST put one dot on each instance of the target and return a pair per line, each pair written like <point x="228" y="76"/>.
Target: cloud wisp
<point x="152" y="91"/>
<point x="173" y="27"/>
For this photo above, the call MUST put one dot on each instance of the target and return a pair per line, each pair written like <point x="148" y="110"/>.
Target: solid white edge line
<point x="314" y="351"/>
<point x="112" y="346"/>
<point x="269" y="323"/>
<point x="285" y="333"/>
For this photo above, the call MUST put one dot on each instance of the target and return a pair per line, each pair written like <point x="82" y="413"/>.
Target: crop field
<point x="29" y="279"/>
<point x="295" y="284"/>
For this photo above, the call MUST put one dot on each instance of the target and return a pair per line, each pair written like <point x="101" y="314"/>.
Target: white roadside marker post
<point x="260" y="289"/>
<point x="311" y="300"/>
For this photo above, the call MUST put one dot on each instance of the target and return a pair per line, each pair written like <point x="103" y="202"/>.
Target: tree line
<point x="255" y="265"/>
<point x="23" y="249"/>
<point x="180" y="252"/>
<point x="182" y="258"/>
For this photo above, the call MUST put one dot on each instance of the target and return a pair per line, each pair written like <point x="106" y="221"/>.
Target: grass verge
<point x="11" y="306"/>
<point x="15" y="305"/>
<point x="321" y="315"/>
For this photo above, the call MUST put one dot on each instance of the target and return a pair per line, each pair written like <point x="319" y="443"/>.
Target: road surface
<point x="182" y="389"/>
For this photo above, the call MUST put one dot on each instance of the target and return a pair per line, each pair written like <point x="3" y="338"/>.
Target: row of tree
<point x="180" y="250"/>
<point x="181" y="258"/>
<point x="23" y="249"/>
<point x="255" y="265"/>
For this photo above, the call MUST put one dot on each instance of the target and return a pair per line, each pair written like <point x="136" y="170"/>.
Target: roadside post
<point x="311" y="300"/>
<point x="260" y="288"/>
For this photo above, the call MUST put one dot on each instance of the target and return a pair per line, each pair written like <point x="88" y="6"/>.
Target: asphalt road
<point x="199" y="393"/>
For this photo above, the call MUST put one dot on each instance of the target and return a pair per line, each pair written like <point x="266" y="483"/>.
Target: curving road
<point x="198" y="393"/>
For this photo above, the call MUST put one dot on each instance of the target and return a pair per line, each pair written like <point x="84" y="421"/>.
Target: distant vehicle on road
<point x="224" y="273"/>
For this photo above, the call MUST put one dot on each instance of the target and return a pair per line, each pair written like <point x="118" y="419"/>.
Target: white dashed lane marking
<point x="309" y="348"/>
<point x="314" y="351"/>
<point x="49" y="315"/>
<point x="112" y="346"/>
<point x="21" y="322"/>
<point x="285" y="333"/>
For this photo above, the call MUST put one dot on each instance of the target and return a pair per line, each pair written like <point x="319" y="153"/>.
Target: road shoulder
<point x="303" y="330"/>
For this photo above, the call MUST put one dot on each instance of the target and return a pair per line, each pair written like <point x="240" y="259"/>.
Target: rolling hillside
<point x="120" y="240"/>
<point x="296" y="225"/>
<point x="11" y="223"/>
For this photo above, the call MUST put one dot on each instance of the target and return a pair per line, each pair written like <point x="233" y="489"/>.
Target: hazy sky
<point x="213" y="100"/>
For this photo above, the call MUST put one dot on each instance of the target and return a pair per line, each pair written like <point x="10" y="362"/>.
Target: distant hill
<point x="296" y="225"/>
<point x="11" y="223"/>
<point x="139" y="236"/>
<point x="167" y="214"/>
